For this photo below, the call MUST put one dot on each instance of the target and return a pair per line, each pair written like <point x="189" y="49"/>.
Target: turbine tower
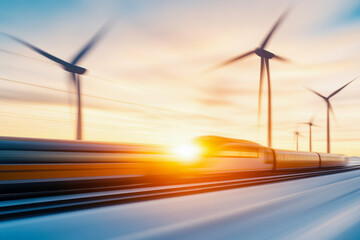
<point x="296" y="135"/>
<point x="330" y="109"/>
<point x="265" y="56"/>
<point x="71" y="67"/>
<point x="310" y="124"/>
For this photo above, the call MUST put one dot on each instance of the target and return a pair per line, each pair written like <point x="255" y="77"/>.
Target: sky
<point x="146" y="79"/>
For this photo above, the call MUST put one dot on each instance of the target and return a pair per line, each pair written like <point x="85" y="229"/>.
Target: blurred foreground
<point x="315" y="208"/>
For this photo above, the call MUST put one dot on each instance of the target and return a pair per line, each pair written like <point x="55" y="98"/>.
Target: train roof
<point x="217" y="140"/>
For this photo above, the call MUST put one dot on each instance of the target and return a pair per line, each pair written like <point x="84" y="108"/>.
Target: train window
<point x="239" y="153"/>
<point x="268" y="156"/>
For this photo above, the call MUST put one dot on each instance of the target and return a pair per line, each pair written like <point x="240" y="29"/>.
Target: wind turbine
<point x="330" y="109"/>
<point x="264" y="62"/>
<point x="310" y="124"/>
<point x="71" y="67"/>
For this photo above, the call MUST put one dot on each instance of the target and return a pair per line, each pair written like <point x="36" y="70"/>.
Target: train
<point x="220" y="154"/>
<point x="33" y="159"/>
<point x="28" y="158"/>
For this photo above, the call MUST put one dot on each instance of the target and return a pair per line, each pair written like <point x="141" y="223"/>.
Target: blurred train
<point x="226" y="154"/>
<point x="28" y="158"/>
<point x="24" y="158"/>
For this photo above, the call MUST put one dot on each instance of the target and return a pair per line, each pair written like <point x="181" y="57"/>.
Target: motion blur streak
<point x="332" y="224"/>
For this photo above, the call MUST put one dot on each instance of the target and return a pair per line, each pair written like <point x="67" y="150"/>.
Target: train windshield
<point x="214" y="146"/>
<point x="238" y="152"/>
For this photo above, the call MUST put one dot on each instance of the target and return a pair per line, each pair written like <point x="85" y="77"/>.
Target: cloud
<point x="215" y="102"/>
<point x="225" y="91"/>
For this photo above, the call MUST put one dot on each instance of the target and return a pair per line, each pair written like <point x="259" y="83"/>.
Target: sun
<point x="186" y="153"/>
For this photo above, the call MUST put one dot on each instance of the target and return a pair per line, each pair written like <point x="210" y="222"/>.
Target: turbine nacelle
<point x="74" y="69"/>
<point x="263" y="53"/>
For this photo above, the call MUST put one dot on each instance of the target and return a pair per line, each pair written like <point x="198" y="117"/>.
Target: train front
<point x="213" y="154"/>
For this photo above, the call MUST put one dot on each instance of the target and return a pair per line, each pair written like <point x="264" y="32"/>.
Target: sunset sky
<point x="149" y="70"/>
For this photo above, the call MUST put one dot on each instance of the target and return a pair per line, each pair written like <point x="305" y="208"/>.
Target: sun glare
<point x="187" y="153"/>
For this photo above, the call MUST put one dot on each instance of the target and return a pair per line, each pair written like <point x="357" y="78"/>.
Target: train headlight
<point x="189" y="153"/>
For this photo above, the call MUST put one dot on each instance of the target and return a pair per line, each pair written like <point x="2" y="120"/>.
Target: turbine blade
<point x="323" y="97"/>
<point x="100" y="33"/>
<point x="230" y="61"/>
<point x="260" y="89"/>
<point x="333" y="113"/>
<point x="73" y="78"/>
<point x="71" y="84"/>
<point x="337" y="91"/>
<point x="315" y="125"/>
<point x="281" y="18"/>
<point x="282" y="59"/>
<point x="312" y="119"/>
<point x="294" y="139"/>
<point x="38" y="50"/>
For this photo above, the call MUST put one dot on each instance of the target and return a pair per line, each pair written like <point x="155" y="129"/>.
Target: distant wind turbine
<point x="71" y="67"/>
<point x="264" y="62"/>
<point x="330" y="109"/>
<point x="310" y="124"/>
<point x="297" y="135"/>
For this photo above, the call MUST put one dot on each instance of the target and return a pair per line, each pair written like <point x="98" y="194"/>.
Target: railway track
<point x="20" y="207"/>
